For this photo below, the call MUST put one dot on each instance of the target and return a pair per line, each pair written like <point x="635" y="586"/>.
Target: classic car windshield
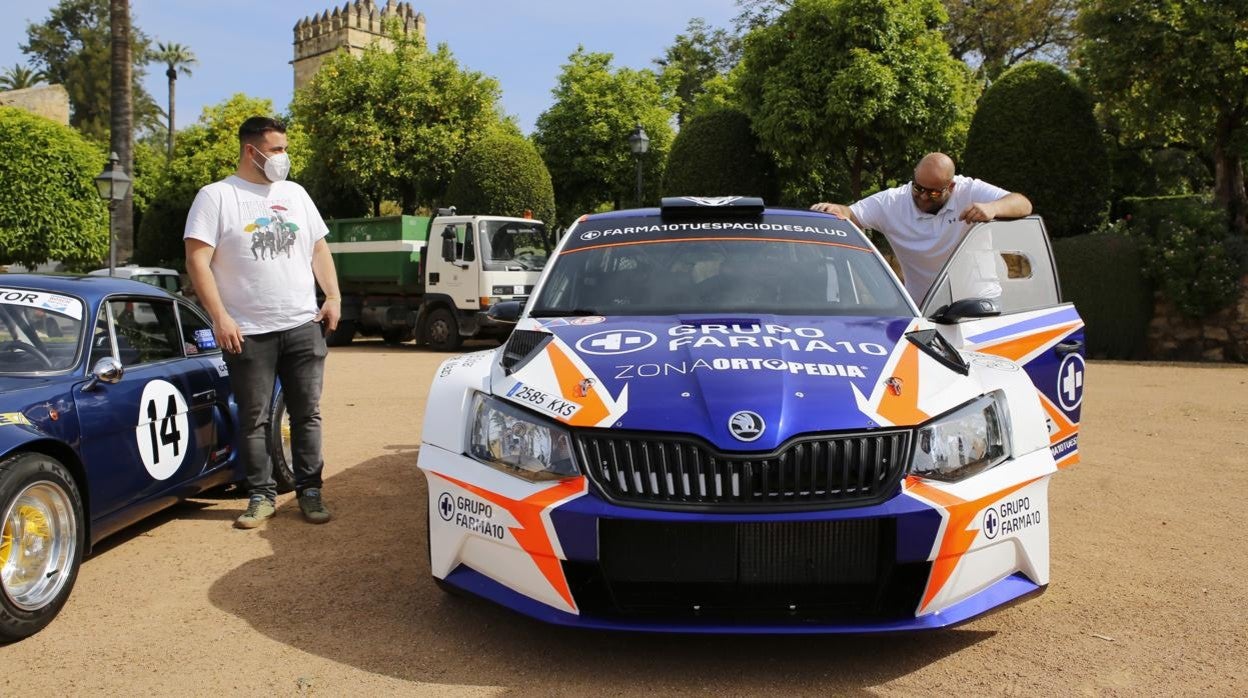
<point x="676" y="276"/>
<point x="39" y="331"/>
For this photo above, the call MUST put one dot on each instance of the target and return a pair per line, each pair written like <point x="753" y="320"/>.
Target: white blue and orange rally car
<point x="719" y="417"/>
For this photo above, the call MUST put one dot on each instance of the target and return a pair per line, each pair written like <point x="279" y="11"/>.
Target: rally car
<point x="720" y="417"/>
<point x="114" y="404"/>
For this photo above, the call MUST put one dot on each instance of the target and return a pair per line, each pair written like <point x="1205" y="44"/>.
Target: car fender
<point x="450" y="398"/>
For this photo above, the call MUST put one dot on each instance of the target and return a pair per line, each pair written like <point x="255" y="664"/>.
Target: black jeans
<point x="297" y="356"/>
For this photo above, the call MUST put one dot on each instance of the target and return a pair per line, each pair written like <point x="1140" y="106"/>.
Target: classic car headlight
<point x="517" y="443"/>
<point x="966" y="441"/>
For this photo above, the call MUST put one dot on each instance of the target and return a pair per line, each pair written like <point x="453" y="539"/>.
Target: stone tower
<point x="352" y="28"/>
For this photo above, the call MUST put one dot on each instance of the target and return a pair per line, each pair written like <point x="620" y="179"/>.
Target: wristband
<point x="333" y="298"/>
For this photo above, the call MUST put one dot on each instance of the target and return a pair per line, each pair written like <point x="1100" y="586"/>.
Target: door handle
<point x="206" y="397"/>
<point x="1064" y="348"/>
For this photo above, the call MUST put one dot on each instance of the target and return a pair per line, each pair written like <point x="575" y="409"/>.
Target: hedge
<point x="1101" y="274"/>
<point x="503" y="175"/>
<point x="716" y="154"/>
<point x="1034" y="132"/>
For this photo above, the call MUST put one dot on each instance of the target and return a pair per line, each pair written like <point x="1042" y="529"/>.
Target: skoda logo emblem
<point x="746" y="426"/>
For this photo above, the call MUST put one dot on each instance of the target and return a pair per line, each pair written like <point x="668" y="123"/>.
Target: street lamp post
<point x="113" y="184"/>
<point x="639" y="143"/>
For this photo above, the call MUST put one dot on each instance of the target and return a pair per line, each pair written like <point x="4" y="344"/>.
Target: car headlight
<point x="517" y="443"/>
<point x="966" y="441"/>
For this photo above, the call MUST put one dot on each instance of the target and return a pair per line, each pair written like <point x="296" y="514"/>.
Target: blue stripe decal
<point x="1062" y="316"/>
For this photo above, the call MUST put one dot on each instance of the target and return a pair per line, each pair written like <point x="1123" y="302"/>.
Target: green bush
<point x="1033" y="132"/>
<point x="159" y="241"/>
<point x="1101" y="274"/>
<point x="716" y="154"/>
<point x="1188" y="249"/>
<point x="503" y="175"/>
<point x="49" y="206"/>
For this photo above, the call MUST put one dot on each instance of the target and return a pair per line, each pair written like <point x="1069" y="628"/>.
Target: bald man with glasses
<point x="925" y="219"/>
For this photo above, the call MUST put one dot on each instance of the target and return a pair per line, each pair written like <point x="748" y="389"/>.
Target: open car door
<point x="1011" y="263"/>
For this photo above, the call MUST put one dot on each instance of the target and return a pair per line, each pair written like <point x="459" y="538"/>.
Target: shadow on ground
<point x="357" y="591"/>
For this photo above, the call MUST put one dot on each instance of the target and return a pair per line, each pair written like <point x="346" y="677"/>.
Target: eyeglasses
<point x="926" y="193"/>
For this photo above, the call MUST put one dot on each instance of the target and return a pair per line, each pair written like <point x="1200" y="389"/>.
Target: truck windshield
<point x="513" y="245"/>
<point x="720" y="276"/>
<point x="39" y="331"/>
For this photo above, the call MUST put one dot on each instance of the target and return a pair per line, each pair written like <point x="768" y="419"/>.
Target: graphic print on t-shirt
<point x="271" y="233"/>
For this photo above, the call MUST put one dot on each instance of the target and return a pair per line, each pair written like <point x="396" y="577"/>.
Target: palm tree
<point x="121" y="117"/>
<point x="177" y="59"/>
<point x="19" y="77"/>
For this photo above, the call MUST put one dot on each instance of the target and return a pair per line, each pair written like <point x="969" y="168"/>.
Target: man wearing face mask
<point x="263" y="307"/>
<point x="925" y="219"/>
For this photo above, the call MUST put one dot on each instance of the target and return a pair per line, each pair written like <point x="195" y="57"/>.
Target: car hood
<point x="695" y="374"/>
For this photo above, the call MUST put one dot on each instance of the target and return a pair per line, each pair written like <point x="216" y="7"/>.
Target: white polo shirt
<point x="922" y="241"/>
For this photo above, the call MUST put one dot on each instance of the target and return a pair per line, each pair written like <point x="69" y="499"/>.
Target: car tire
<point x="342" y="335"/>
<point x="396" y="335"/>
<point x="441" y="331"/>
<point x="38" y="498"/>
<point x="279" y="446"/>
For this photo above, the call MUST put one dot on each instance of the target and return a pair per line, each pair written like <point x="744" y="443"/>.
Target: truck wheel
<point x="342" y="335"/>
<point x="441" y="331"/>
<point x="396" y="335"/>
<point x="42" y="536"/>
<point x="279" y="447"/>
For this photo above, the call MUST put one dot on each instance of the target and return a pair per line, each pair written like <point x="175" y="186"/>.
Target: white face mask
<point x="276" y="167"/>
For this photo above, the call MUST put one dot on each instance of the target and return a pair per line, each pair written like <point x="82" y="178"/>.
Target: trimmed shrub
<point x="1101" y="274"/>
<point x="1033" y="132"/>
<point x="159" y="242"/>
<point x="1189" y="252"/>
<point x="502" y="175"/>
<point x="49" y="206"/>
<point x="716" y="154"/>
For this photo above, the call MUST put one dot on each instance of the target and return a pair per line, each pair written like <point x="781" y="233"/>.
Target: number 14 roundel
<point x="163" y="432"/>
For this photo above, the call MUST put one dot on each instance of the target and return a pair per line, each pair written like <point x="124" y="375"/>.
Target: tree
<point x="394" y="124"/>
<point x="583" y="136"/>
<point x="20" y="77"/>
<point x="997" y="34"/>
<point x="696" y="57"/>
<point x="848" y="94"/>
<point x="716" y="154"/>
<point x="1060" y="163"/>
<point x="49" y="207"/>
<point x="1175" y="72"/>
<point x="208" y="151"/>
<point x="72" y="48"/>
<point x="177" y="59"/>
<point x="121" y="118"/>
<point x="503" y="175"/>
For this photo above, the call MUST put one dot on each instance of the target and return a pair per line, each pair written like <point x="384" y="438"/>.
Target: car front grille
<point x="670" y="471"/>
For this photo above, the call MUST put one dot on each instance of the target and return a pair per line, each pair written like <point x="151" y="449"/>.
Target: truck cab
<point x="433" y="280"/>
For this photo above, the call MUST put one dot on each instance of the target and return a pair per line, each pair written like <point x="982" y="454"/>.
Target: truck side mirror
<point x="448" y="245"/>
<point x="965" y="309"/>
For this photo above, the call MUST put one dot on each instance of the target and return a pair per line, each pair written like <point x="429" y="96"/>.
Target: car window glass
<point x="1008" y="261"/>
<point x="38" y="331"/>
<point x="147" y="331"/>
<point x="197" y="337"/>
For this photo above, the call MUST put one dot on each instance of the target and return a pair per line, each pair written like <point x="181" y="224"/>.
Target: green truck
<point x="432" y="279"/>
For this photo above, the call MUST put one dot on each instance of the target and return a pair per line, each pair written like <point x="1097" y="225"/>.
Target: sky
<point x="246" y="46"/>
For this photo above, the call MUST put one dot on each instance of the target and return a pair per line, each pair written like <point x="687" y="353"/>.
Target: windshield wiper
<point x="557" y="312"/>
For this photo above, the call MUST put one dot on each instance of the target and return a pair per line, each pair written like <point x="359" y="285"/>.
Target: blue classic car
<point x="114" y="404"/>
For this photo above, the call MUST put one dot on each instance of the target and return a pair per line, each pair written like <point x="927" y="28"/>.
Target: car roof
<point x="132" y="270"/>
<point x="655" y="212"/>
<point x="82" y="285"/>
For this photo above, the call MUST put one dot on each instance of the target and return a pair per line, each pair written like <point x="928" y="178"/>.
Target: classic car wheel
<point x="279" y="447"/>
<point x="42" y="536"/>
<point x="441" y="331"/>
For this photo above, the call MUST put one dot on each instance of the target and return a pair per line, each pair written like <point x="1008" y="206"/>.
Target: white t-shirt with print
<point x="263" y="235"/>
<point x="922" y="241"/>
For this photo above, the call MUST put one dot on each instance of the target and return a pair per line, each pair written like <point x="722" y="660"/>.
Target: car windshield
<point x="38" y="331"/>
<point x="513" y="245"/>
<point x="720" y="275"/>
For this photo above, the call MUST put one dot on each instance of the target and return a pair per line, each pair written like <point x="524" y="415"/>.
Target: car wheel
<point x="279" y="447"/>
<point x="441" y="331"/>
<point x="42" y="536"/>
<point x="342" y="335"/>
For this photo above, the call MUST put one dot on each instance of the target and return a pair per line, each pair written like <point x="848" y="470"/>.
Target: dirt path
<point x="1150" y="554"/>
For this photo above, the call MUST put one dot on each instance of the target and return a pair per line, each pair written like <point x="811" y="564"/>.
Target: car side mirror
<point x="966" y="309"/>
<point x="506" y="311"/>
<point x="448" y="245"/>
<point x="106" y="370"/>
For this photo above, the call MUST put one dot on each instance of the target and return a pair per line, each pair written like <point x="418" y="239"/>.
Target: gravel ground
<point x="1149" y="556"/>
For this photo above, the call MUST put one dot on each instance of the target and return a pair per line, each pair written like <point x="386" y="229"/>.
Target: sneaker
<point x="259" y="509"/>
<point x="312" y="507"/>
